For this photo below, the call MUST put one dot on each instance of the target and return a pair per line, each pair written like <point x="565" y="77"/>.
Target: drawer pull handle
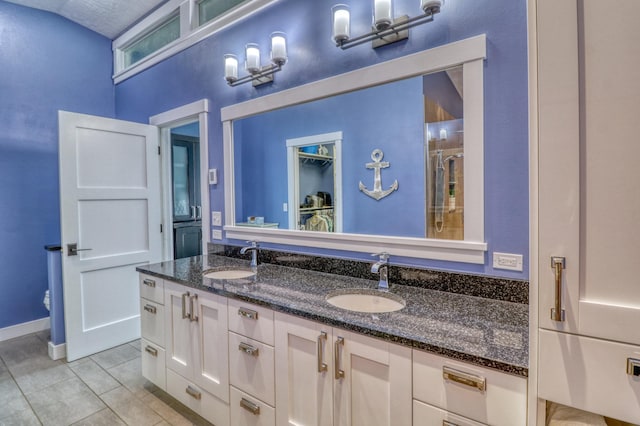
<point x="463" y="378"/>
<point x="185" y="315"/>
<point x="248" y="349"/>
<point x="250" y="406"/>
<point x="150" y="308"/>
<point x="633" y="367"/>
<point x="152" y="351"/>
<point x="194" y="393"/>
<point x="192" y="315"/>
<point x="447" y="423"/>
<point x="558" y="264"/>
<point x="149" y="283"/>
<point x="322" y="366"/>
<point x="248" y="313"/>
<point x="337" y="357"/>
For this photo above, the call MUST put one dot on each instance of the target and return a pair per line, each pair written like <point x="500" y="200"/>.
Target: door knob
<point x="72" y="249"/>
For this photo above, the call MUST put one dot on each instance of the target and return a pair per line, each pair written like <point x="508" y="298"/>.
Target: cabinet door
<point x="303" y="372"/>
<point x="179" y="333"/>
<point x="374" y="387"/>
<point x="589" y="200"/>
<point x="210" y="347"/>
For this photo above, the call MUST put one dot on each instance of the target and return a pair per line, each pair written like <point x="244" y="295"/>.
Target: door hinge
<point x="158" y="149"/>
<point x="161" y="228"/>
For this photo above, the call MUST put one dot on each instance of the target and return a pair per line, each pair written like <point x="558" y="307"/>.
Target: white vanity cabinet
<point x="329" y="376"/>
<point x="152" y="339"/>
<point x="588" y="176"/>
<point x="251" y="364"/>
<point x="197" y="351"/>
<point x="451" y="388"/>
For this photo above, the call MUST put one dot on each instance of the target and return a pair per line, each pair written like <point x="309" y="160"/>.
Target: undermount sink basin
<point x="364" y="300"/>
<point x="229" y="274"/>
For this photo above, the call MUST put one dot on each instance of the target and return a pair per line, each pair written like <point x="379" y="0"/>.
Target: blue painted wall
<point x="198" y="73"/>
<point x="47" y="63"/>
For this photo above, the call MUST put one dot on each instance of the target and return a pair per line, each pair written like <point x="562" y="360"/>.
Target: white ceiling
<point x="107" y="17"/>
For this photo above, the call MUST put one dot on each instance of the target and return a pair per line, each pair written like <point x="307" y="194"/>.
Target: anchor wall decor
<point x="378" y="193"/>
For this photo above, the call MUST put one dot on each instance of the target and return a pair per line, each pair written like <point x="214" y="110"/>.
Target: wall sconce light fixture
<point x="386" y="29"/>
<point x="257" y="73"/>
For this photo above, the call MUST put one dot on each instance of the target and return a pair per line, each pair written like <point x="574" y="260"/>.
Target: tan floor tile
<point x="65" y="402"/>
<point x="95" y="377"/>
<point x="116" y="356"/>
<point x="104" y="417"/>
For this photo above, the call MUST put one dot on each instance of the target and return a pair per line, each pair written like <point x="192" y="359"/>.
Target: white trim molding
<point x="190" y="32"/>
<point x="195" y="111"/>
<point x="25" y="328"/>
<point x="470" y="53"/>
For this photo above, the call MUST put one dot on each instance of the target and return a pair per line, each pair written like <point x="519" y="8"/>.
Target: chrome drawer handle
<point x="446" y="423"/>
<point x="149" y="283"/>
<point x="250" y="406"/>
<point x="476" y="382"/>
<point x="150" y="308"/>
<point x="194" y="393"/>
<point x="192" y="315"/>
<point x="184" y="305"/>
<point x="558" y="264"/>
<point x="152" y="351"/>
<point x="633" y="367"/>
<point x="248" y="349"/>
<point x="337" y="357"/>
<point x="322" y="366"/>
<point x="248" y="313"/>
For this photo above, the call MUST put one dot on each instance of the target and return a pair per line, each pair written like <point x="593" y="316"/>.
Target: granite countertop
<point x="487" y="332"/>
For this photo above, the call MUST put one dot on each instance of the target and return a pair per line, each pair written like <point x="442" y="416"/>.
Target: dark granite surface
<point x="508" y="290"/>
<point x="487" y="332"/>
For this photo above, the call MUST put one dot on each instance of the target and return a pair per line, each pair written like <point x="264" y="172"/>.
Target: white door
<point x="110" y="209"/>
<point x="304" y="373"/>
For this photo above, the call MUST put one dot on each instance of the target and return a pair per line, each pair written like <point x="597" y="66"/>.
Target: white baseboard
<point x="57" y="351"/>
<point x="24" y="328"/>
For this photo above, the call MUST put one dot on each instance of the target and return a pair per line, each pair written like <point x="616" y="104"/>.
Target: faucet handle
<point x="384" y="256"/>
<point x="253" y="243"/>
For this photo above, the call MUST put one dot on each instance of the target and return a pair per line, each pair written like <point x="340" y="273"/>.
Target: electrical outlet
<point x="216" y="218"/>
<point x="512" y="262"/>
<point x="216" y="234"/>
<point x="213" y="176"/>
<point x="285" y="207"/>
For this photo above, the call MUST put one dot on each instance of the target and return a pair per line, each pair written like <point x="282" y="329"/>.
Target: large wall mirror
<point x="407" y="136"/>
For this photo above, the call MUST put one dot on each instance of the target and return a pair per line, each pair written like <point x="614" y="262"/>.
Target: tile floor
<point x="103" y="389"/>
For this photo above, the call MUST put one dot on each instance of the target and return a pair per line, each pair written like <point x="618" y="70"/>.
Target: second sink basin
<point x="365" y="300"/>
<point x="229" y="274"/>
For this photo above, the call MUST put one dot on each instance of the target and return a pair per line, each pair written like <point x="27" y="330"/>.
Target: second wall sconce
<point x="257" y="73"/>
<point x="386" y="29"/>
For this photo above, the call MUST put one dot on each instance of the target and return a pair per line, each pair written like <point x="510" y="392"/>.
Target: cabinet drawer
<point x="152" y="321"/>
<point x="152" y="288"/>
<point x="251" y="320"/>
<point x="198" y="400"/>
<point x="589" y="374"/>
<point x="428" y="415"/>
<point x="251" y="367"/>
<point x="501" y="402"/>
<point x="153" y="363"/>
<point x="249" y="411"/>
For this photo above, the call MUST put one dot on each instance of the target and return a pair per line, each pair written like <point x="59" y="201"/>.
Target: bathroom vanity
<point x="269" y="349"/>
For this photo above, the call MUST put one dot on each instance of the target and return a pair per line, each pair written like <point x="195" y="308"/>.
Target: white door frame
<point x="195" y="111"/>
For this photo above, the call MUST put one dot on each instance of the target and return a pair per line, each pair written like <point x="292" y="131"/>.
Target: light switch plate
<point x="216" y="218"/>
<point x="512" y="262"/>
<point x="213" y="176"/>
<point x="216" y="234"/>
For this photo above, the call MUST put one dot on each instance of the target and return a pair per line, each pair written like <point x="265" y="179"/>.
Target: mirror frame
<point x="470" y="53"/>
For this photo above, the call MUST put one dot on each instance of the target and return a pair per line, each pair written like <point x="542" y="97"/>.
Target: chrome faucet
<point x="381" y="267"/>
<point x="253" y="248"/>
